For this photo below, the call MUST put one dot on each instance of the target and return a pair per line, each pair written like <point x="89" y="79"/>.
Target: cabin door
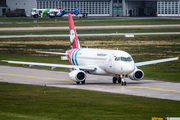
<point x="111" y="60"/>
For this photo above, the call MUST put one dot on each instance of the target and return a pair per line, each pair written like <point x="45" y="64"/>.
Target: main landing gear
<point x="82" y="82"/>
<point x="119" y="79"/>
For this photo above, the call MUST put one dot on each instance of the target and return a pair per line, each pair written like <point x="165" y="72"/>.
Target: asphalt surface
<point x="145" y="88"/>
<point x="86" y="27"/>
<point x="67" y="35"/>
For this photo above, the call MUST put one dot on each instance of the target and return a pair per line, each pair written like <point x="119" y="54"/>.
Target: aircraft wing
<point x="57" y="53"/>
<point x="91" y="68"/>
<point x="155" y="61"/>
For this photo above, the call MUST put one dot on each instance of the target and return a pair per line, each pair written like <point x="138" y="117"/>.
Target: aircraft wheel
<point x="119" y="80"/>
<point x="77" y="82"/>
<point x="83" y="82"/>
<point x="36" y="16"/>
<point x="114" y="80"/>
<point x="124" y="83"/>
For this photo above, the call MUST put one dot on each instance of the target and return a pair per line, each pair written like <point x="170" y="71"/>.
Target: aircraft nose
<point x="128" y="68"/>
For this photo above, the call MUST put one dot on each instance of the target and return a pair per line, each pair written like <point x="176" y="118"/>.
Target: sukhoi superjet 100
<point x="96" y="61"/>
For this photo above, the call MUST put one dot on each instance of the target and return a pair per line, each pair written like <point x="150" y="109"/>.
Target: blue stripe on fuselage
<point x="76" y="56"/>
<point x="72" y="58"/>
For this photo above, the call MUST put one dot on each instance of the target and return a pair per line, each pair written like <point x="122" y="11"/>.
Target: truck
<point x="52" y="13"/>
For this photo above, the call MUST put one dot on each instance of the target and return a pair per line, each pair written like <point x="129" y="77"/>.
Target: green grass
<point x="25" y="19"/>
<point x="78" y="22"/>
<point x="166" y="71"/>
<point x="92" y="31"/>
<point x="47" y="103"/>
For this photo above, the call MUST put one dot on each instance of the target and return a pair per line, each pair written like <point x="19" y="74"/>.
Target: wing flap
<point x="89" y="68"/>
<point x="155" y="61"/>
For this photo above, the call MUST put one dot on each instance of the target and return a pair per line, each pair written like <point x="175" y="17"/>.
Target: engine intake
<point x="77" y="75"/>
<point x="137" y="74"/>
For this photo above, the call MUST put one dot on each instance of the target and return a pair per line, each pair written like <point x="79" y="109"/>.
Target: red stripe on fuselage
<point x="70" y="54"/>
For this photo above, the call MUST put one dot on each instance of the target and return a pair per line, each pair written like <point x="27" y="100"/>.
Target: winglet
<point x="73" y="35"/>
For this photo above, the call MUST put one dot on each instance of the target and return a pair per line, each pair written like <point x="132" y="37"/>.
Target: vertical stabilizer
<point x="73" y="35"/>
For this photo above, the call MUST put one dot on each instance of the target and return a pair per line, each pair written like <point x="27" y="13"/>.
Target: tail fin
<point x="73" y="35"/>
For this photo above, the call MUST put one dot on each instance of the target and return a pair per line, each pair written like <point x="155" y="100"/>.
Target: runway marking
<point x="153" y="88"/>
<point x="34" y="76"/>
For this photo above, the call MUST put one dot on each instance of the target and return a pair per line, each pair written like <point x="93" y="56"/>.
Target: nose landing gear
<point x="123" y="82"/>
<point x="119" y="79"/>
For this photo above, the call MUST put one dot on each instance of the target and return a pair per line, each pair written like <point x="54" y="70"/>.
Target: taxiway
<point x="146" y="88"/>
<point x="107" y="34"/>
<point x="86" y="27"/>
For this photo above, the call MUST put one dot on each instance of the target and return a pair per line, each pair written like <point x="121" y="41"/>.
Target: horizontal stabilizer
<point x="64" y="58"/>
<point x="57" y="53"/>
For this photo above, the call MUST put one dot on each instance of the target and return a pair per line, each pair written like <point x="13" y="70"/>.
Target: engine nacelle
<point x="77" y="75"/>
<point x="137" y="74"/>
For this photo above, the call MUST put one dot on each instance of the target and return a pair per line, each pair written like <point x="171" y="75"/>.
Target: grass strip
<point x="37" y="102"/>
<point x="63" y="19"/>
<point x="98" y="23"/>
<point x="93" y="31"/>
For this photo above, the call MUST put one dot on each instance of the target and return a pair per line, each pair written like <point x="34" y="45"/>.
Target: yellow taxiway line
<point x="153" y="88"/>
<point x="35" y="77"/>
<point x="70" y="80"/>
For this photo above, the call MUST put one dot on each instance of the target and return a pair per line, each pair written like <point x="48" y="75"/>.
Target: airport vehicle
<point x="52" y="13"/>
<point x="96" y="61"/>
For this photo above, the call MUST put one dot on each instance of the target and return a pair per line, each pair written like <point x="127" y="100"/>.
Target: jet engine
<point x="77" y="75"/>
<point x="137" y="74"/>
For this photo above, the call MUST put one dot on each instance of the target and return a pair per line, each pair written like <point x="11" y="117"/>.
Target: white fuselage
<point x="106" y="61"/>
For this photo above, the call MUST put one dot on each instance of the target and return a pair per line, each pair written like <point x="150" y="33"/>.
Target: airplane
<point x="96" y="61"/>
<point x="52" y="13"/>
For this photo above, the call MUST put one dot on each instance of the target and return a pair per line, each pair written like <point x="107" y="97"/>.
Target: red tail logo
<point x="73" y="35"/>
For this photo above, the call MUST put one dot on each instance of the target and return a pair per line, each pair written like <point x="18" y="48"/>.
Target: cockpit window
<point x="126" y="59"/>
<point x="117" y="58"/>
